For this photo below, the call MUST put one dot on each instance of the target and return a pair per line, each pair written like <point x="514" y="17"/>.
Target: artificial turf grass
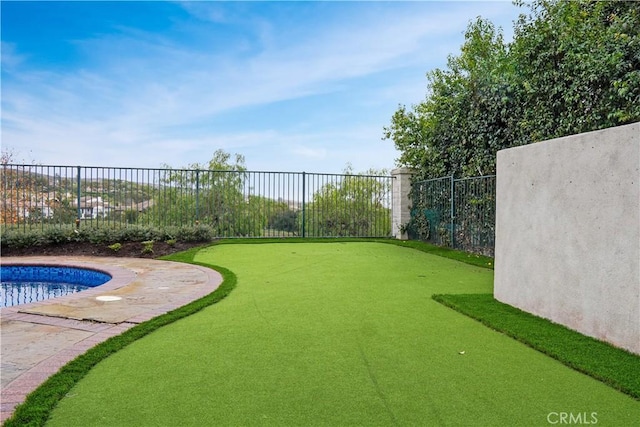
<point x="188" y="257"/>
<point x="340" y="334"/>
<point x="37" y="407"/>
<point x="616" y="367"/>
<point x="613" y="366"/>
<point x="456" y="255"/>
<point x="465" y="257"/>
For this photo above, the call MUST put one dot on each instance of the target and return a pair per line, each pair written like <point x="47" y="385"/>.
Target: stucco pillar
<point x="401" y="213"/>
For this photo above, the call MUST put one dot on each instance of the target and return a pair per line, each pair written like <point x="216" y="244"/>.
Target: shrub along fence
<point x="459" y="213"/>
<point x="229" y="203"/>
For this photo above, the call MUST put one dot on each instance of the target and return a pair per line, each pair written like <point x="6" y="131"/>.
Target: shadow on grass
<point x="613" y="366"/>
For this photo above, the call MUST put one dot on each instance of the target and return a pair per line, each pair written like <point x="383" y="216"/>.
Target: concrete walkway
<point x="38" y="339"/>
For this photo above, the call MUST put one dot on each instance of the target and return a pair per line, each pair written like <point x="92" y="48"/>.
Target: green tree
<point x="578" y="67"/>
<point x="573" y="66"/>
<point x="465" y="117"/>
<point x="131" y="216"/>
<point x="64" y="213"/>
<point x="356" y="205"/>
<point x="212" y="194"/>
<point x="286" y="220"/>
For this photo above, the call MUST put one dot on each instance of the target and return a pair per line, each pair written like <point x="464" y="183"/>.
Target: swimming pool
<point x="23" y="284"/>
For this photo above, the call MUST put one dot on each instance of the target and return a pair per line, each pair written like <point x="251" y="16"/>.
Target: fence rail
<point x="459" y="213"/>
<point x="234" y="203"/>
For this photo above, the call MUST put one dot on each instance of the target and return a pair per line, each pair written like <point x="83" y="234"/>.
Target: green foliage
<point x="147" y="247"/>
<point x="99" y="234"/>
<point x="211" y="194"/>
<point x="197" y="233"/>
<point x="115" y="247"/>
<point x="582" y="67"/>
<point x="64" y="213"/>
<point x="354" y="206"/>
<point x="131" y="216"/>
<point x="134" y="234"/>
<point x="57" y="235"/>
<point x="102" y="235"/>
<point x="462" y="123"/>
<point x="285" y="220"/>
<point x="573" y="66"/>
<point x="21" y="239"/>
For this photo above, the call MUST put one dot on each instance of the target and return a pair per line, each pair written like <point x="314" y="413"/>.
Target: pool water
<point x="23" y="284"/>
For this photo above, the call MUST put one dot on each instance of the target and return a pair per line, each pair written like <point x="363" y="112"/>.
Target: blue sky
<point x="293" y="86"/>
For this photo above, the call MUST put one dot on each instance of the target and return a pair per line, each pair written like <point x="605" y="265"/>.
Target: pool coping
<point x="134" y="276"/>
<point x="119" y="277"/>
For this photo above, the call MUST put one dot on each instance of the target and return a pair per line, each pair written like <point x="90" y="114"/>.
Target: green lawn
<point x="336" y="334"/>
<point x="616" y="367"/>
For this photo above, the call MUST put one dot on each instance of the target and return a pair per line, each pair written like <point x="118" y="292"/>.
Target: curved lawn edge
<point x="39" y="404"/>
<point x="611" y="365"/>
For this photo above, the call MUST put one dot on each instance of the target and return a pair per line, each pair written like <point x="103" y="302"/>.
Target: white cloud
<point x="145" y="99"/>
<point x="309" y="152"/>
<point x="10" y="58"/>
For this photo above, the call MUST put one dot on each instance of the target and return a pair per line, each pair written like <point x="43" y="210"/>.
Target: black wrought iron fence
<point x="231" y="203"/>
<point x="431" y="210"/>
<point x="459" y="213"/>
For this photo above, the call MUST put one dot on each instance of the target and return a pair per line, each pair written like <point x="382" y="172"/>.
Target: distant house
<point x="36" y="211"/>
<point x="93" y="207"/>
<point x="137" y="207"/>
<point x="29" y="207"/>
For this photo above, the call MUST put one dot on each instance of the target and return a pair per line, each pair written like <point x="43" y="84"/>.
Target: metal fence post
<point x="78" y="194"/>
<point x="304" y="191"/>
<point x="453" y="214"/>
<point x="197" y="194"/>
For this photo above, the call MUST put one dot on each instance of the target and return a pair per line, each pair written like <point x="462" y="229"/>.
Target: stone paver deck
<point x="38" y="339"/>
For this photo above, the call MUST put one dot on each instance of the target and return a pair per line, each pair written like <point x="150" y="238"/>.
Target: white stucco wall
<point x="568" y="232"/>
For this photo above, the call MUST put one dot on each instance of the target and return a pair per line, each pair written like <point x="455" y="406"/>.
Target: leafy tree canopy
<point x="211" y="192"/>
<point x="573" y="66"/>
<point x="353" y="205"/>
